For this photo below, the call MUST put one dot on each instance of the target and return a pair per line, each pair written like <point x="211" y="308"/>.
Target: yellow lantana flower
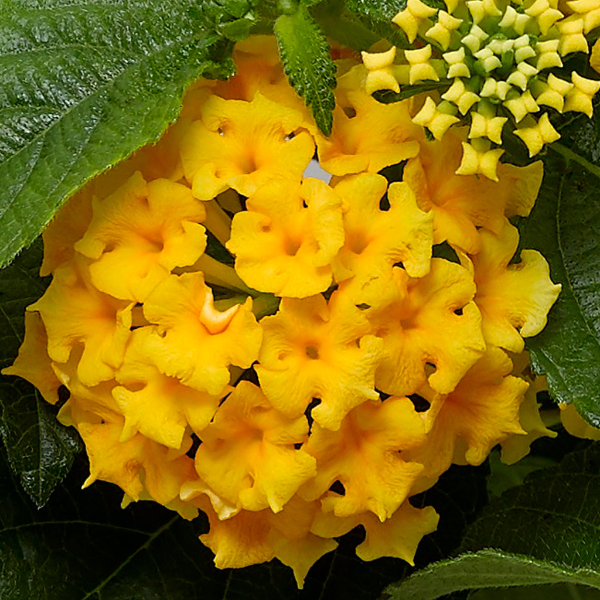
<point x="430" y="321"/>
<point x="193" y="341"/>
<point x="514" y="299"/>
<point x="251" y="538"/>
<point x="156" y="405"/>
<point x="466" y="424"/>
<point x="462" y="204"/>
<point x="247" y="455"/>
<point x="368" y="136"/>
<point x="139" y="234"/>
<point x="377" y="239"/>
<point x="243" y="145"/>
<point x="285" y="241"/>
<point x="75" y="313"/>
<point x="398" y="536"/>
<point x="365" y="456"/>
<point x="314" y="349"/>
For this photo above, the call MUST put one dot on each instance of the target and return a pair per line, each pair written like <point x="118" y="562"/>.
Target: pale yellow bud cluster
<point x="496" y="63"/>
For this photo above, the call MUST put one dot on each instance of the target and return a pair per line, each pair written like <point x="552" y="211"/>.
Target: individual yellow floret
<point x="193" y="341"/>
<point x="139" y="234"/>
<point x="493" y="88"/>
<point x="380" y="75"/>
<point x="514" y="299"/>
<point x="552" y="92"/>
<point x="75" y="313"/>
<point x="247" y="455"/>
<point x="589" y="10"/>
<point x="536" y="136"/>
<point x="456" y="63"/>
<point x="376" y="136"/>
<point x="579" y="97"/>
<point x="410" y="19"/>
<point x="478" y="158"/>
<point x="433" y="119"/>
<point x="514" y="20"/>
<point x="365" y="456"/>
<point x="243" y="145"/>
<point x="463" y="205"/>
<point x="441" y="32"/>
<point x="595" y="57"/>
<point x="475" y="38"/>
<point x="430" y="321"/>
<point x="156" y="405"/>
<point x="575" y="424"/>
<point x="398" y="536"/>
<point x="467" y="423"/>
<point x="420" y="67"/>
<point x="375" y="239"/>
<point x="314" y="349"/>
<point x="250" y="538"/>
<point x="33" y="362"/>
<point x="459" y="95"/>
<point x="285" y="241"/>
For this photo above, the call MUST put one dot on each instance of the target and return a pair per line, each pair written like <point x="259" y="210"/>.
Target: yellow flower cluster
<point x="378" y="364"/>
<point x="502" y="64"/>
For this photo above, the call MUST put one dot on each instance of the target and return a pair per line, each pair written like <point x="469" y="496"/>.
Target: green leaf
<point x="40" y="450"/>
<point x="541" y="532"/>
<point x="377" y="10"/>
<point x="485" y="569"/>
<point x="83" y="85"/>
<point x="565" y="227"/>
<point x="308" y="64"/>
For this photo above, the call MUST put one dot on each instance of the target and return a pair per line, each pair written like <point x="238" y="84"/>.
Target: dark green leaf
<point x="82" y="85"/>
<point x="377" y="10"/>
<point x="484" y="569"/>
<point x="541" y="532"/>
<point x="308" y="64"/>
<point x="565" y="227"/>
<point x="39" y="448"/>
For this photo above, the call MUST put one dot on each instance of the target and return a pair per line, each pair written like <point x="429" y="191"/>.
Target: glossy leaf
<point x="308" y="64"/>
<point x="82" y="85"/>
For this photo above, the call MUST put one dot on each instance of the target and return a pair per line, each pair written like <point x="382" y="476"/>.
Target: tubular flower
<point x="286" y="240"/>
<point x="464" y="206"/>
<point x="377" y="239"/>
<point x="251" y="538"/>
<point x="139" y="234"/>
<point x="398" y="536"/>
<point x="514" y="299"/>
<point x="33" y="362"/>
<point x="368" y="136"/>
<point x="75" y="313"/>
<point x="466" y="424"/>
<point x="209" y="260"/>
<point x="364" y="456"/>
<point x="243" y="145"/>
<point x="247" y="455"/>
<point x="493" y="57"/>
<point x="314" y="349"/>
<point x="431" y="321"/>
<point x="154" y="404"/>
<point x="195" y="342"/>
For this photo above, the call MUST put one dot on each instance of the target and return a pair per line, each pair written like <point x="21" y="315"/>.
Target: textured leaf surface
<point x="40" y="449"/>
<point x="541" y="532"/>
<point x="308" y="64"/>
<point x="565" y="227"/>
<point x="82" y="85"/>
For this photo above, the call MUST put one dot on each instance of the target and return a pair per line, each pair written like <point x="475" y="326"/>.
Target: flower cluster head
<point x="498" y="66"/>
<point x="291" y="356"/>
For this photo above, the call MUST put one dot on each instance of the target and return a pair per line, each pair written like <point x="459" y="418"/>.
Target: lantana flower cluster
<point x="292" y="357"/>
<point x="502" y="65"/>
